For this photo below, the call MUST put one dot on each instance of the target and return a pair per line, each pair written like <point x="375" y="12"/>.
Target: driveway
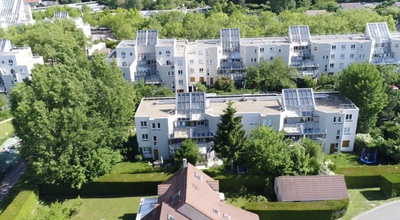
<point x="10" y="179"/>
<point x="389" y="211"/>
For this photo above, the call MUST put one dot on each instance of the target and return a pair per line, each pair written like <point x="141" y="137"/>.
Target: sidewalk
<point x="11" y="178"/>
<point x="1" y="122"/>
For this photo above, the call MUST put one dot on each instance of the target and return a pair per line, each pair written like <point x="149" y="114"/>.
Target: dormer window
<point x="226" y="216"/>
<point x="198" y="176"/>
<point x="170" y="217"/>
<point x="216" y="211"/>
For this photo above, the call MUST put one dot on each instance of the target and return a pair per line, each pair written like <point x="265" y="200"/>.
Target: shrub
<point x="320" y="210"/>
<point x="138" y="158"/>
<point x="365" y="176"/>
<point x="390" y="185"/>
<point x="21" y="207"/>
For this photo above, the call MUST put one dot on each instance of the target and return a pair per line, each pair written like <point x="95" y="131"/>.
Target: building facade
<point x="16" y="64"/>
<point x="15" y="12"/>
<point x="180" y="64"/>
<point x="326" y="118"/>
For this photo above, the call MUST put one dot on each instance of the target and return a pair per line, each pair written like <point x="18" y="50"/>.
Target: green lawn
<point x="6" y="128"/>
<point x="362" y="200"/>
<point x="124" y="208"/>
<point x="343" y="160"/>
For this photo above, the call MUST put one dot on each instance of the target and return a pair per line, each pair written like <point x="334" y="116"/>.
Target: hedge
<point x="390" y="185"/>
<point x="319" y="210"/>
<point x="365" y="176"/>
<point x="143" y="184"/>
<point x="21" y="207"/>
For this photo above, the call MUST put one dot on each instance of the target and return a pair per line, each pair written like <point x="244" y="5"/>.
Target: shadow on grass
<point x="128" y="216"/>
<point x="373" y="195"/>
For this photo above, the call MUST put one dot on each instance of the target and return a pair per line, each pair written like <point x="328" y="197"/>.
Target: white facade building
<point x="180" y="64"/>
<point x="327" y="118"/>
<point x="16" y="64"/>
<point x="78" y="22"/>
<point x="15" y="12"/>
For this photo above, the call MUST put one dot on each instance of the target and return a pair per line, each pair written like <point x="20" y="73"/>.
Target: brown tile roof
<point x="310" y="188"/>
<point x="164" y="211"/>
<point x="192" y="193"/>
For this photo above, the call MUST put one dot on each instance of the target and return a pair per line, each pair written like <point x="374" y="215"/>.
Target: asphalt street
<point x="389" y="211"/>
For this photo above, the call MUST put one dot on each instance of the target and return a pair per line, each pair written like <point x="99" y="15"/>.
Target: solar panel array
<point x="230" y="39"/>
<point x="299" y="33"/>
<point x="146" y="37"/>
<point x="5" y="45"/>
<point x="378" y="31"/>
<point x="190" y="101"/>
<point x="298" y="97"/>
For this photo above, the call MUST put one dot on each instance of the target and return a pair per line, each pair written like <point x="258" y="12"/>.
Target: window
<point x="271" y="58"/>
<point x="170" y="217"/>
<point x="198" y="176"/>
<point x="334" y="119"/>
<point x="191" y="70"/>
<point x="167" y="52"/>
<point x="332" y="65"/>
<point x="333" y="47"/>
<point x="154" y="140"/>
<point x="155" y="125"/>
<point x="180" y="82"/>
<point x="349" y="117"/>
<point x="123" y="54"/>
<point x="124" y="64"/>
<point x="338" y="135"/>
<point x="340" y="119"/>
<point x="353" y="47"/>
<point x="160" y="52"/>
<point x="342" y="56"/>
<point x="179" y="62"/>
<point x="341" y="65"/>
<point x="180" y="72"/>
<point x="131" y="54"/>
<point x="201" y="70"/>
<point x="315" y="48"/>
<point x="271" y="50"/>
<point x="191" y="62"/>
<point x="262" y="50"/>
<point x="143" y="124"/>
<point x="145" y="137"/>
<point x="168" y="62"/>
<point x="346" y="144"/>
<point x="215" y="211"/>
<point x="200" y="52"/>
<point x="352" y="56"/>
<point x="146" y="150"/>
<point x="226" y="216"/>
<point x="192" y="79"/>
<point x="10" y="62"/>
<point x="343" y="47"/>
<point x="333" y="56"/>
<point x="200" y="61"/>
<point x="347" y="130"/>
<point x="325" y="57"/>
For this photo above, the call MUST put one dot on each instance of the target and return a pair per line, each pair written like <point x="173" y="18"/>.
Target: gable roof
<point x="310" y="188"/>
<point x="164" y="211"/>
<point x="191" y="193"/>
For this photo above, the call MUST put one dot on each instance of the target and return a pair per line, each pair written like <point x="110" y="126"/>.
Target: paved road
<point x="10" y="179"/>
<point x="389" y="211"/>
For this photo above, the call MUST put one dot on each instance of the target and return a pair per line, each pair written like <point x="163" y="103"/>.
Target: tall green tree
<point x="230" y="138"/>
<point x="188" y="150"/>
<point x="72" y="120"/>
<point x="364" y="85"/>
<point x="271" y="76"/>
<point x="225" y="84"/>
<point x="268" y="152"/>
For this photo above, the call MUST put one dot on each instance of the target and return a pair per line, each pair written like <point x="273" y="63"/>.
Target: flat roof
<point x="264" y="107"/>
<point x="332" y="102"/>
<point x="156" y="108"/>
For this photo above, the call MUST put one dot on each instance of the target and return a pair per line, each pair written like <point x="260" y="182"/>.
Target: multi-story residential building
<point x="190" y="194"/>
<point x="15" y="12"/>
<point x="327" y="118"/>
<point x="180" y="64"/>
<point x="16" y="64"/>
<point x="78" y="22"/>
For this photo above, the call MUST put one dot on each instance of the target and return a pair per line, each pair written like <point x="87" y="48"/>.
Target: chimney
<point x="184" y="163"/>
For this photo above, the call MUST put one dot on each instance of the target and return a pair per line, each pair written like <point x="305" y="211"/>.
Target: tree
<point x="271" y="76"/>
<point x="268" y="153"/>
<point x="200" y="87"/>
<point x="364" y="85"/>
<point x="188" y="150"/>
<point x="72" y="120"/>
<point x="225" y="84"/>
<point x="392" y="110"/>
<point x="314" y="153"/>
<point x="230" y="138"/>
<point x="3" y="101"/>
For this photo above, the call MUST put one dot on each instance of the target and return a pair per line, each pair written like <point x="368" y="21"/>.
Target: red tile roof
<point x="164" y="211"/>
<point x="192" y="194"/>
<point x="310" y="188"/>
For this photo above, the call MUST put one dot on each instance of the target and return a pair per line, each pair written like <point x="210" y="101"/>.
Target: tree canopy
<point x="72" y="119"/>
<point x="230" y="137"/>
<point x="188" y="150"/>
<point x="365" y="86"/>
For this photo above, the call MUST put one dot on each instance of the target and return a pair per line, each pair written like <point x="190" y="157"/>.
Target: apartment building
<point x="16" y="64"/>
<point x="180" y="64"/>
<point x="15" y="12"/>
<point x="183" y="195"/>
<point x="78" y="22"/>
<point x="163" y="123"/>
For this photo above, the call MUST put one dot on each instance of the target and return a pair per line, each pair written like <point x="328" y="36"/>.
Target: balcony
<point x="303" y="129"/>
<point x="191" y="132"/>
<point x="304" y="63"/>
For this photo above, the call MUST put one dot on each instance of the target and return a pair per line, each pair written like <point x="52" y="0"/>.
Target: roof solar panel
<point x="146" y="37"/>
<point x="299" y="33"/>
<point x="298" y="97"/>
<point x="377" y="31"/>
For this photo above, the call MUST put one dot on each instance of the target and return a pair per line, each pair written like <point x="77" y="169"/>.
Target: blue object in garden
<point x="368" y="155"/>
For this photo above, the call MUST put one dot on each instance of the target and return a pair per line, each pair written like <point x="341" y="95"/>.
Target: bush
<point x="299" y="210"/>
<point x="390" y="185"/>
<point x="231" y="183"/>
<point x="21" y="207"/>
<point x="138" y="158"/>
<point x="365" y="176"/>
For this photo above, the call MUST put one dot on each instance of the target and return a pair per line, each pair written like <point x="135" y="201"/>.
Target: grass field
<point x="6" y="128"/>
<point x="362" y="200"/>
<point x="343" y="160"/>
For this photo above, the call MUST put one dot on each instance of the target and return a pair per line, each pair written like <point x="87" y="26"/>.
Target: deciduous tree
<point x="364" y="85"/>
